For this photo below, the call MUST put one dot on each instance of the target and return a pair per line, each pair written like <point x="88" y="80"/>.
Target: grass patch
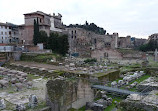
<point x="40" y="106"/>
<point x="34" y="88"/>
<point x="72" y="109"/>
<point x="144" y="77"/>
<point x="113" y="105"/>
<point x="31" y="77"/>
<point x="109" y="108"/>
<point x="82" y="109"/>
<point x="141" y="79"/>
<point x="42" y="58"/>
<point x="11" y="92"/>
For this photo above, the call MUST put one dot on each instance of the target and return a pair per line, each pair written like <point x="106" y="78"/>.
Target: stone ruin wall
<point x="137" y="106"/>
<point x="84" y="42"/>
<point x="106" y="53"/>
<point x="75" y="95"/>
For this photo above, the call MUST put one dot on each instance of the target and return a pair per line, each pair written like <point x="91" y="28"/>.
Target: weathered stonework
<point x="63" y="94"/>
<point x="90" y="44"/>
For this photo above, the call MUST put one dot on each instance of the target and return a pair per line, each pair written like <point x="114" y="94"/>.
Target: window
<point x="2" y="37"/>
<point x="2" y="41"/>
<point x="9" y="32"/>
<point x="95" y="41"/>
<point x="5" y="33"/>
<point x="1" y="33"/>
<point x="72" y="32"/>
<point x="5" y="27"/>
<point x="40" y="20"/>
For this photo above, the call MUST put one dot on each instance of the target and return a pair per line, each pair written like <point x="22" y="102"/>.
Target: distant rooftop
<point x="3" y="24"/>
<point x="37" y="12"/>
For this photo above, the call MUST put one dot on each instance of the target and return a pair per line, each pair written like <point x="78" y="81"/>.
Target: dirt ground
<point x="39" y="65"/>
<point x="22" y="97"/>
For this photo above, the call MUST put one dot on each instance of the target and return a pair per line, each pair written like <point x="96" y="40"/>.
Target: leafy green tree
<point x="150" y="46"/>
<point x="90" y="27"/>
<point x="58" y="43"/>
<point x="43" y="38"/>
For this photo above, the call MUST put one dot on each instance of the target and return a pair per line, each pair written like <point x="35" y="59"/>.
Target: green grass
<point x="42" y="58"/>
<point x="34" y="88"/>
<point x="138" y="80"/>
<point x="82" y="109"/>
<point x="109" y="108"/>
<point x="157" y="94"/>
<point x="141" y="78"/>
<point x="40" y="106"/>
<point x="72" y="109"/>
<point x="113" y="105"/>
<point x="118" y="79"/>
<point x="31" y="77"/>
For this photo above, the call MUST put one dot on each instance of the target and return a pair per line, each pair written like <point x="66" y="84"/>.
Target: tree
<point x="63" y="44"/>
<point x="86" y="23"/>
<point x="36" y="32"/>
<point x="90" y="27"/>
<point x="58" y="43"/>
<point x="42" y="38"/>
<point x="150" y="46"/>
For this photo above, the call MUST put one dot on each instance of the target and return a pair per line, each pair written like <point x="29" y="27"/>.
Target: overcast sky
<point x="138" y="18"/>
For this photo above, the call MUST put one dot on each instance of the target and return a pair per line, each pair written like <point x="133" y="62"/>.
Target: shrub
<point x="90" y="60"/>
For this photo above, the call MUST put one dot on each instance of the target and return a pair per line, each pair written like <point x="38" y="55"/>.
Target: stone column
<point x="116" y="39"/>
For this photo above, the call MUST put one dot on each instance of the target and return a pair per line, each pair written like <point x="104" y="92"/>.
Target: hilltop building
<point x="9" y="33"/>
<point x="153" y="37"/>
<point x="89" y="44"/>
<point x="47" y="23"/>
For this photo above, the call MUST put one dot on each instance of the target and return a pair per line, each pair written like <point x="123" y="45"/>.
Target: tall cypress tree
<point x="36" y="32"/>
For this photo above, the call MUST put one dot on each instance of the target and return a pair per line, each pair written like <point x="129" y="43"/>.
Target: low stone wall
<point x="110" y="76"/>
<point x="152" y="71"/>
<point x="137" y="106"/>
<point x="146" y="88"/>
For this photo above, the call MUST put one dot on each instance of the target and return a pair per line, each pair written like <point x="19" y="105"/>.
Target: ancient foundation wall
<point x="106" y="53"/>
<point x="65" y="95"/>
<point x="137" y="106"/>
